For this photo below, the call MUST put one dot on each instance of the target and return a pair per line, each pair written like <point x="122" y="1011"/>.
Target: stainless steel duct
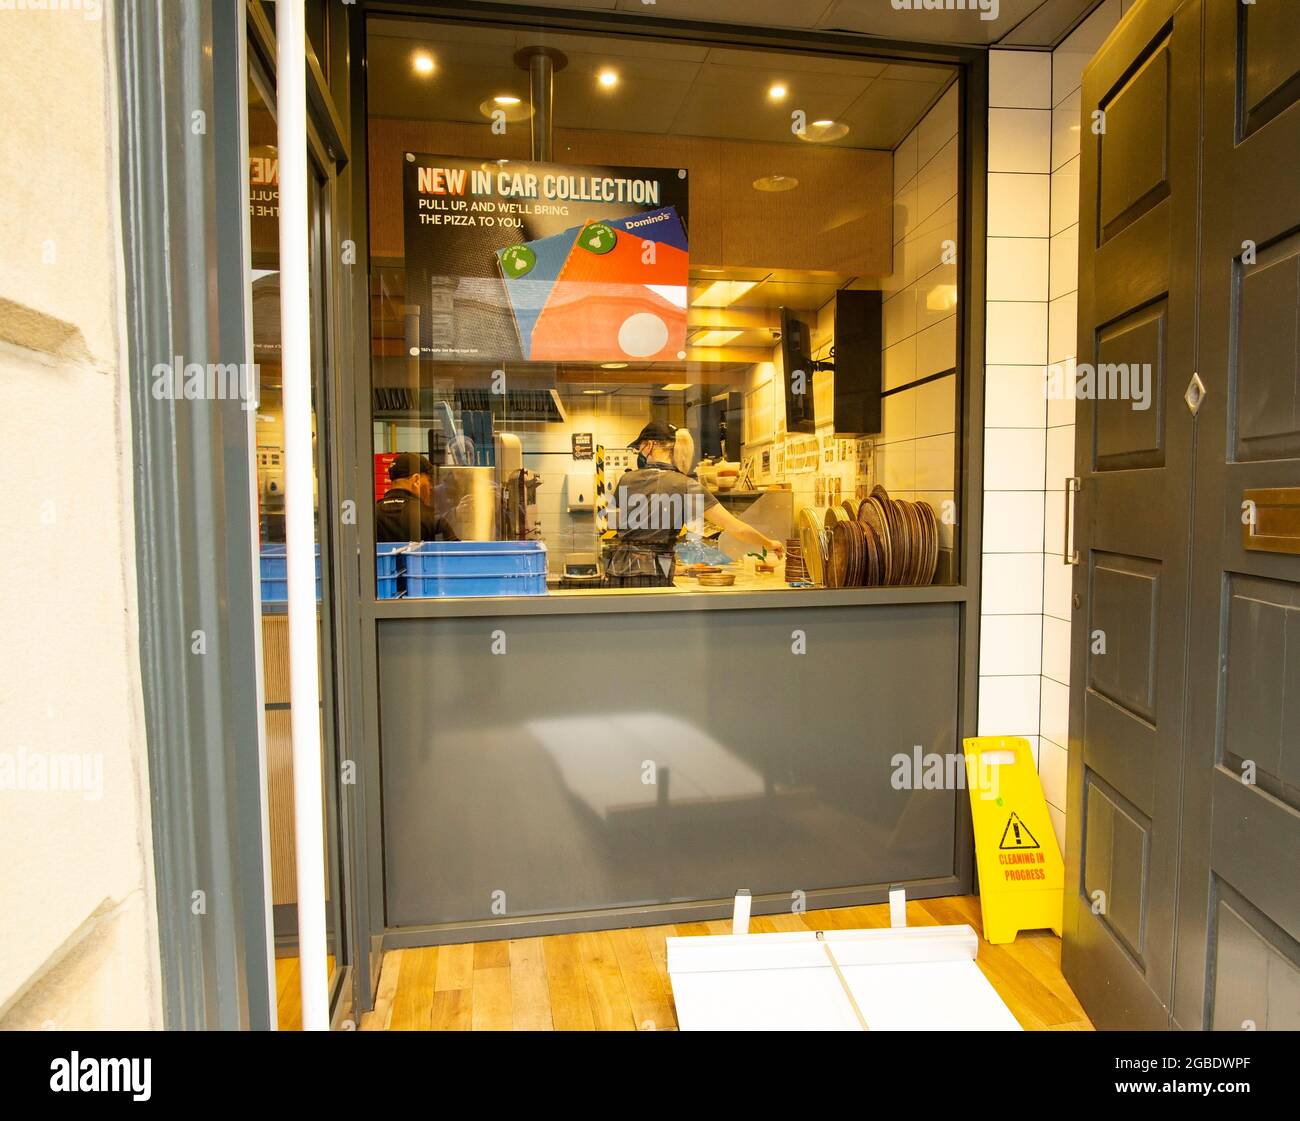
<point x="542" y="64"/>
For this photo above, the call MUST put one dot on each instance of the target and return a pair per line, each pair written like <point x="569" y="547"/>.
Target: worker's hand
<point x="777" y="547"/>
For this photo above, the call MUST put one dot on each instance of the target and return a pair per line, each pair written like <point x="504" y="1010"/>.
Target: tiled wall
<point x="1068" y="62"/>
<point x="1032" y="277"/>
<point x="915" y="451"/>
<point x="1019" y="189"/>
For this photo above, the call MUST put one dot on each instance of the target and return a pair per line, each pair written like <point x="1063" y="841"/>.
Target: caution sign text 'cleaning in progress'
<point x="1020" y="869"/>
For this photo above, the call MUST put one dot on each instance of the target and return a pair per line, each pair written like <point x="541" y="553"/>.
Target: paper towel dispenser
<point x="580" y="491"/>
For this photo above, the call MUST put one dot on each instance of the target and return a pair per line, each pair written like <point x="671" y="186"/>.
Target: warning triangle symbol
<point x="1016" y="835"/>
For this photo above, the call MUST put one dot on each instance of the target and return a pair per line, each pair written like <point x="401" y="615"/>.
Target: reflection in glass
<point x="271" y="497"/>
<point x="769" y="280"/>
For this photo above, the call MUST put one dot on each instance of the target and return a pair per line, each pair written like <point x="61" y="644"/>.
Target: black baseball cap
<point x="407" y="464"/>
<point x="659" y="431"/>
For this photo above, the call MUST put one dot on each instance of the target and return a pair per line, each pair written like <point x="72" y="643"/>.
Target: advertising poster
<point x="546" y="262"/>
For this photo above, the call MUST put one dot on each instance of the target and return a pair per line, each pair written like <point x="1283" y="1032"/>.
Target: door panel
<point x="1252" y="975"/>
<point x="1137" y="317"/>
<point x="1239" y="901"/>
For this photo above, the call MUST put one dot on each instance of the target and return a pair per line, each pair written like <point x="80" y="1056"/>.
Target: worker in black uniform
<point x="408" y="511"/>
<point x="654" y="502"/>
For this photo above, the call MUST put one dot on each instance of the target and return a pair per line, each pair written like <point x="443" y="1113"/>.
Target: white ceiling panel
<point x="663" y="87"/>
<point x="1023" y="23"/>
<point x="886" y="112"/>
<point x="925" y="25"/>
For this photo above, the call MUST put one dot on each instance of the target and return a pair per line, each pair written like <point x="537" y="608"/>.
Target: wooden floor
<point x="288" y="993"/>
<point x="617" y="980"/>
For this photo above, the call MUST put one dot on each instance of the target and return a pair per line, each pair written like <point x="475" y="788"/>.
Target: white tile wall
<point x="1020" y="140"/>
<point x="1013" y="522"/>
<point x="1015" y="334"/>
<point x="1035" y="128"/>
<point x="1013" y="397"/>
<point x="1017" y="268"/>
<point x="1009" y="705"/>
<point x="1020" y="80"/>
<point x="1019" y="205"/>
<point x="1012" y="583"/>
<point x="1014" y="459"/>
<point x="1011" y="644"/>
<point x="915" y="453"/>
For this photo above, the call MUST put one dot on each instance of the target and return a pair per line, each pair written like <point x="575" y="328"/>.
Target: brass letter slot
<point x="1270" y="520"/>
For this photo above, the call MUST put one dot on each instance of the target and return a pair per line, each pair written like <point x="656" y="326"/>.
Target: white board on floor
<point x="909" y="979"/>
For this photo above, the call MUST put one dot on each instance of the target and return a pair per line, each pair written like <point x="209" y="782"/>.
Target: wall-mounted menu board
<point x="518" y="260"/>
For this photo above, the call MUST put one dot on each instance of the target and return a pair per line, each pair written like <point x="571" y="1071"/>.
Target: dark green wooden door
<point x="1239" y="899"/>
<point x="1134" y="449"/>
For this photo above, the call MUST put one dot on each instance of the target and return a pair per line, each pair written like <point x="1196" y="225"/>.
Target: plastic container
<point x="436" y="569"/>
<point x="467" y="584"/>
<point x="390" y="569"/>
<point x="274" y="573"/>
<point x="275" y="562"/>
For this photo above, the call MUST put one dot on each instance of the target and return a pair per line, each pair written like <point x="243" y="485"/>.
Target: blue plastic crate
<point x="277" y="591"/>
<point x="274" y="562"/>
<point x="472" y="584"/>
<point x="477" y="558"/>
<point x="390" y="569"/>
<point x="390" y="558"/>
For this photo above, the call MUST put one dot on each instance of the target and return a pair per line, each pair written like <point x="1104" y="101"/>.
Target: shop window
<point x="688" y="327"/>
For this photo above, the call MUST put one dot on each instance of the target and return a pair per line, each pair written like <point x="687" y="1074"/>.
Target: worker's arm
<point x="729" y="523"/>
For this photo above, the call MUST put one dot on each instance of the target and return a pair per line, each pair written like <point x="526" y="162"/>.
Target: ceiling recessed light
<point x="776" y="183"/>
<point x="422" y="63"/>
<point x="819" y="132"/>
<point x="593" y="392"/>
<point x="673" y="387"/>
<point x="608" y="78"/>
<point x="505" y="105"/>
<point x="776" y="91"/>
<point x="613" y="365"/>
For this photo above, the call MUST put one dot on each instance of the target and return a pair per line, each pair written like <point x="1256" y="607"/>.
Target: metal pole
<point x="541" y="84"/>
<point x="542" y="64"/>
<point x="295" y="356"/>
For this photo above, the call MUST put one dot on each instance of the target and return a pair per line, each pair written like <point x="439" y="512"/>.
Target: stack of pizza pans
<point x="848" y="563"/>
<point x="812" y="545"/>
<point x="874" y="514"/>
<point x="880" y="540"/>
<point x="909" y="536"/>
<point x="795" y="569"/>
<point x="832" y="517"/>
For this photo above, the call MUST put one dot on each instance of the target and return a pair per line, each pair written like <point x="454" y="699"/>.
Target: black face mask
<point x="641" y="461"/>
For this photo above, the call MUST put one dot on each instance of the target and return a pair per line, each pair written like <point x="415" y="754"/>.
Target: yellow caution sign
<point x="1022" y="877"/>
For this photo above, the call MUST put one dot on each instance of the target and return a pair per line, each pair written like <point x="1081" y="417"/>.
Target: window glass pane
<point x="264" y="233"/>
<point x="690" y="330"/>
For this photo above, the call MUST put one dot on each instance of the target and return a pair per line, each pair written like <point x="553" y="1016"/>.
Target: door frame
<point x="181" y="71"/>
<point x="182" y="74"/>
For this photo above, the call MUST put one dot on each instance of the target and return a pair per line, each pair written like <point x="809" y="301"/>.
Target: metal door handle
<point x="1069" y="554"/>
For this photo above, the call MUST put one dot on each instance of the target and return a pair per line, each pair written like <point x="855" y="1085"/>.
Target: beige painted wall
<point x="78" y="937"/>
